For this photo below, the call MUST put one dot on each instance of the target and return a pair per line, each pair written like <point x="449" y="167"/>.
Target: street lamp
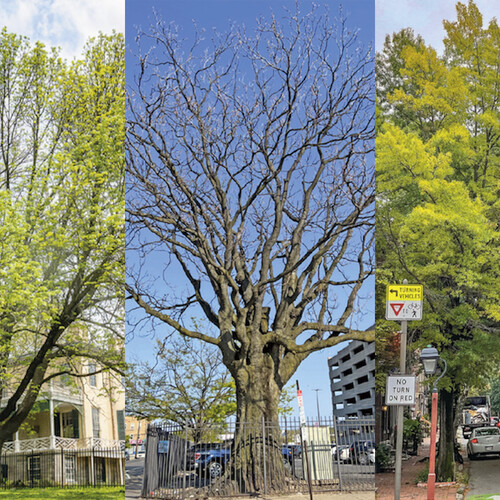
<point x="429" y="358"/>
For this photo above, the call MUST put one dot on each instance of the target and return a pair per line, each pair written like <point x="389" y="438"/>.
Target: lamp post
<point x="429" y="358"/>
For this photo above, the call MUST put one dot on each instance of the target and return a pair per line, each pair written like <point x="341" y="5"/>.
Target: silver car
<point x="483" y="441"/>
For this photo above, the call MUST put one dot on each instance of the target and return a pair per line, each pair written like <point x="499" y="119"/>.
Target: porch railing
<point x="48" y="443"/>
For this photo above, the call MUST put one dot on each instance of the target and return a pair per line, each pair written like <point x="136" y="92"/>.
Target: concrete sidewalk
<point x="345" y="495"/>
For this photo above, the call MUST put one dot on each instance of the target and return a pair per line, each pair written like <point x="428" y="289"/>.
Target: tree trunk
<point x="445" y="463"/>
<point x="257" y="461"/>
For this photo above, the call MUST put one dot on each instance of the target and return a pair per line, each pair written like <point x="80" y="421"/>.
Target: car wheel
<point x="215" y="469"/>
<point x="363" y="459"/>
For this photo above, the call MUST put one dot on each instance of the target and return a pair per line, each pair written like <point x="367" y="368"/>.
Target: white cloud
<point x="424" y="16"/>
<point x="63" y="23"/>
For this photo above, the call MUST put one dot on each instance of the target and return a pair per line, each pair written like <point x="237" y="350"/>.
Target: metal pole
<point x="400" y="411"/>
<point x="317" y="405"/>
<point x="305" y="455"/>
<point x="431" y="480"/>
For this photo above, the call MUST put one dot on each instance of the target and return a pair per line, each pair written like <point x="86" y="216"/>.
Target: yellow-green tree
<point x="438" y="180"/>
<point x="61" y="215"/>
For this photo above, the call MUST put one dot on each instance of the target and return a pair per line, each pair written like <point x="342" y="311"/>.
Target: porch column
<point x="52" y="430"/>
<point x="16" y="442"/>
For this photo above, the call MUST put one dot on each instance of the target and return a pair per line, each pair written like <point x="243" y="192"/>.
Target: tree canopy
<point x="438" y="181"/>
<point x="61" y="215"/>
<point x="249" y="159"/>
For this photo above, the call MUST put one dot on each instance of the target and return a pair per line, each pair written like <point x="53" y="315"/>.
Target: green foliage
<point x="61" y="214"/>
<point x="423" y="475"/>
<point x="438" y="186"/>
<point x="384" y="457"/>
<point x="185" y="381"/>
<point x="495" y="395"/>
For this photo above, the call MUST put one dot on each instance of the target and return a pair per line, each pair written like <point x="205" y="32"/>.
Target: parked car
<point x="211" y="459"/>
<point x="290" y="452"/>
<point x="483" y="441"/>
<point x="360" y="452"/>
<point x="343" y="450"/>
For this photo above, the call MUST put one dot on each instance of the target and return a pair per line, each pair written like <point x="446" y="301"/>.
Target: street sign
<point x="404" y="302"/>
<point x="400" y="390"/>
<point x="404" y="293"/>
<point x="302" y="414"/>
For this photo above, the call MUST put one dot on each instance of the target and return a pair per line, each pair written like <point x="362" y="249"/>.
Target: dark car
<point x="290" y="452"/>
<point x="210" y="459"/>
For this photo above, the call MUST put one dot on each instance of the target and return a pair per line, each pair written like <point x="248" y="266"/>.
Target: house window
<point x="96" y="428"/>
<point x="67" y="425"/>
<point x="132" y="426"/>
<point x="92" y="378"/>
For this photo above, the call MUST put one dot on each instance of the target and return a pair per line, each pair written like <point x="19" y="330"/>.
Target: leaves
<point x="61" y="213"/>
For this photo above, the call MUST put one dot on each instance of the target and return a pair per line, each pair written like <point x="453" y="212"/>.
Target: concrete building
<point x="352" y="380"/>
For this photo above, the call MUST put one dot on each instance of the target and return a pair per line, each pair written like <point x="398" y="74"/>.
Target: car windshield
<point x="487" y="432"/>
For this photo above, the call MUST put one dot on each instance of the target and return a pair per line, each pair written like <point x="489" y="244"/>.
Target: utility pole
<point x="317" y="405"/>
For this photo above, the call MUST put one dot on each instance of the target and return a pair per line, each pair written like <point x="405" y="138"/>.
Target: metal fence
<point x="62" y="468"/>
<point x="231" y="459"/>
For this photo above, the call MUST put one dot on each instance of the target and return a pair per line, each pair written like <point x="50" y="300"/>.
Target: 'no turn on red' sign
<point x="404" y="302"/>
<point x="400" y="390"/>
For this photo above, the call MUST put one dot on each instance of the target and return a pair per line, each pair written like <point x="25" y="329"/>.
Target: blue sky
<point x="424" y="16"/>
<point x="63" y="23"/>
<point x="218" y="14"/>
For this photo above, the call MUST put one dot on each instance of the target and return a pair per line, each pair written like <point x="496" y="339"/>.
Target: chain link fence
<point x="230" y="459"/>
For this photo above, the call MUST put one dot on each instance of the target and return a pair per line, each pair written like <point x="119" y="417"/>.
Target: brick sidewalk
<point x="384" y="481"/>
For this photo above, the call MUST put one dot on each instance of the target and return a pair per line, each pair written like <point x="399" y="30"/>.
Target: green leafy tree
<point x="495" y="395"/>
<point x="186" y="383"/>
<point x="437" y="216"/>
<point x="61" y="216"/>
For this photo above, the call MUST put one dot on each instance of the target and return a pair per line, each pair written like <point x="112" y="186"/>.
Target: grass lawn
<point x="103" y="493"/>
<point x="484" y="497"/>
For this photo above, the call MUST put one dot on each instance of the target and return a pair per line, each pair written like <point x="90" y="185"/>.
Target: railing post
<point x="338" y="451"/>
<point x="62" y="466"/>
<point x="264" y="453"/>
<point x="185" y="459"/>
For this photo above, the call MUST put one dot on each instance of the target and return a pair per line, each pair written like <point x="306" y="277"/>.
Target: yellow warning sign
<point x="405" y="292"/>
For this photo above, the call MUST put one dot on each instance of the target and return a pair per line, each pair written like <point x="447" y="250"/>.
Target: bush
<point x="422" y="475"/>
<point x="384" y="457"/>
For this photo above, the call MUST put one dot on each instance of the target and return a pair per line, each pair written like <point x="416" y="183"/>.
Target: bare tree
<point x="250" y="164"/>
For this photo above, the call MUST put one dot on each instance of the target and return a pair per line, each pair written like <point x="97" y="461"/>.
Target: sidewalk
<point x="384" y="481"/>
<point x="345" y="495"/>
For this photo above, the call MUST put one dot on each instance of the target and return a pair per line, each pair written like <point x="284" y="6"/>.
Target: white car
<point x="483" y="441"/>
<point x="344" y="452"/>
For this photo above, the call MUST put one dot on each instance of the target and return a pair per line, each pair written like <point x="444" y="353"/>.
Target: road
<point x="484" y="476"/>
<point x="133" y="478"/>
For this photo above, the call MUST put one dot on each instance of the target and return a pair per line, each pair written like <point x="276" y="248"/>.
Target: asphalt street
<point x="484" y="477"/>
<point x="133" y="478"/>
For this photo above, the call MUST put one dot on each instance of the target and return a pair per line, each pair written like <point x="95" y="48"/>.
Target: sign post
<point x="302" y="416"/>
<point x="404" y="303"/>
